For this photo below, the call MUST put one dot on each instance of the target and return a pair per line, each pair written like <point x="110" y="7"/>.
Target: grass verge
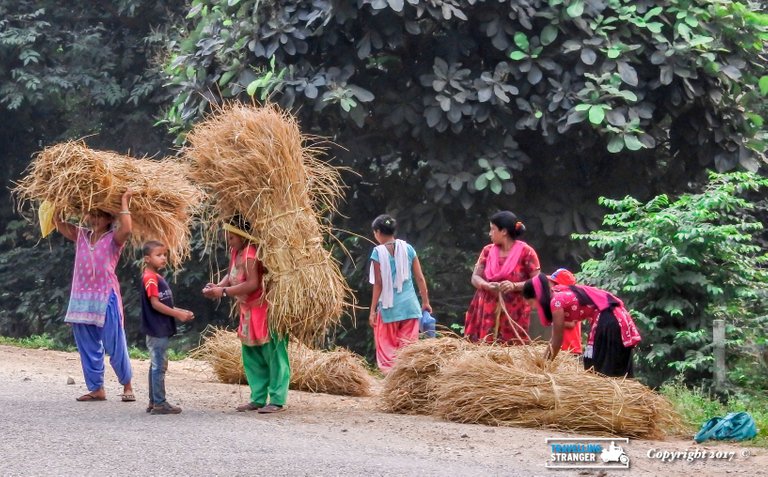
<point x="697" y="407"/>
<point x="46" y="342"/>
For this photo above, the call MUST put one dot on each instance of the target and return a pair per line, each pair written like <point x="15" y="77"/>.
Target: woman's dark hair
<point x="385" y="224"/>
<point x="238" y="221"/>
<point x="506" y="220"/>
<point x="529" y="291"/>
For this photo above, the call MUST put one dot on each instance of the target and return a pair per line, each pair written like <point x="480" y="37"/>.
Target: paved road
<point x="44" y="431"/>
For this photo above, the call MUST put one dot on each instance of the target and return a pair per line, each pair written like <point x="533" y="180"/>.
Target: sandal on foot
<point x="271" y="408"/>
<point x="249" y="407"/>
<point x="150" y="406"/>
<point x="127" y="397"/>
<point x="90" y="397"/>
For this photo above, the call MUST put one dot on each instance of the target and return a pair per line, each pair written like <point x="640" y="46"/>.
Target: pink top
<point x="94" y="279"/>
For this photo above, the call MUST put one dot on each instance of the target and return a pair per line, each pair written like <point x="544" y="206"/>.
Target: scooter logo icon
<point x="614" y="453"/>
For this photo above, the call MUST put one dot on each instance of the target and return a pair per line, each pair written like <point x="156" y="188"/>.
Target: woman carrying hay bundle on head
<point x="95" y="308"/>
<point x="395" y="309"/>
<point x="265" y="354"/>
<point x="612" y="334"/>
<point x="497" y="312"/>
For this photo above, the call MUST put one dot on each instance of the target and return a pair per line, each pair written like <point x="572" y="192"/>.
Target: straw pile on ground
<point x="338" y="371"/>
<point x="76" y="179"/>
<point x="222" y="350"/>
<point x="407" y="387"/>
<point x="477" y="389"/>
<point x="253" y="162"/>
<point x="410" y="385"/>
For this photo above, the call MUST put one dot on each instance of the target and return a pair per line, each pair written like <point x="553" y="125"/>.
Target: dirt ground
<point x="349" y="436"/>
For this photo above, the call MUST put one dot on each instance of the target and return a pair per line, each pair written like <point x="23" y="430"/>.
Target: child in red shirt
<point x="572" y="331"/>
<point x="158" y="317"/>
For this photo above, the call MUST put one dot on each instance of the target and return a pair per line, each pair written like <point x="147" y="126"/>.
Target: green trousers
<point x="268" y="370"/>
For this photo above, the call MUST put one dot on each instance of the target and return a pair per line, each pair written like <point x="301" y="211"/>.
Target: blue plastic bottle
<point x="427" y="324"/>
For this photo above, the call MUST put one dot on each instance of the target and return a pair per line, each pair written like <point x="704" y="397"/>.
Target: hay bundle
<point x="339" y="371"/>
<point x="76" y="179"/>
<point x="473" y="389"/>
<point x="221" y="349"/>
<point x="407" y="387"/>
<point x="253" y="162"/>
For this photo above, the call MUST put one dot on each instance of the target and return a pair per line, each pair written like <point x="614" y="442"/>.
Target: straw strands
<point x="222" y="350"/>
<point x="253" y="162"/>
<point x="410" y="383"/>
<point x="76" y="179"/>
<point x="408" y="386"/>
<point x="473" y="389"/>
<point x="517" y="386"/>
<point x="338" y="371"/>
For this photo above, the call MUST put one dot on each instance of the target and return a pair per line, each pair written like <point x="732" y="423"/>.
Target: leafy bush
<point x="680" y="264"/>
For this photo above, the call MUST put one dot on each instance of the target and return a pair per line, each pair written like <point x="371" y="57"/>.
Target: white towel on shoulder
<point x="402" y="272"/>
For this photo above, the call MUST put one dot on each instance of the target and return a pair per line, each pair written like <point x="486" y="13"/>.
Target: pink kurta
<point x="94" y="279"/>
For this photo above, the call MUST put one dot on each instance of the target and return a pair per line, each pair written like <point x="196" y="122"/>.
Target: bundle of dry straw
<point x="409" y="387"/>
<point x="480" y="389"/>
<point x="339" y="371"/>
<point x="253" y="162"/>
<point x="76" y="179"/>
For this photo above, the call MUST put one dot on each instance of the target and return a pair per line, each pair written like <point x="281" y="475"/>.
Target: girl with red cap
<point x="612" y="334"/>
<point x="562" y="279"/>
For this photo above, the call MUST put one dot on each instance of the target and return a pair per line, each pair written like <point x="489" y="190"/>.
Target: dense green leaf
<point x="596" y="114"/>
<point x="575" y="8"/>
<point x="548" y="34"/>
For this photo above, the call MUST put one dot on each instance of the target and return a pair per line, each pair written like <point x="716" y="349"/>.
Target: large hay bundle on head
<point x="76" y="179"/>
<point x="474" y="389"/>
<point x="338" y="371"/>
<point x="253" y="162"/>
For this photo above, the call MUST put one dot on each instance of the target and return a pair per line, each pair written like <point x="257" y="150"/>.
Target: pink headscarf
<point x="494" y="272"/>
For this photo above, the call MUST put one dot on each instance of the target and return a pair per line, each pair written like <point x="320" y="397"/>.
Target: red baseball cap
<point x="562" y="276"/>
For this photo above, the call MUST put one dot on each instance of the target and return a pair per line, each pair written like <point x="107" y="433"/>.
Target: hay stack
<point x="253" y="161"/>
<point x="76" y="179"/>
<point x="407" y="387"/>
<point x="222" y="350"/>
<point x="476" y="389"/>
<point x="339" y="371"/>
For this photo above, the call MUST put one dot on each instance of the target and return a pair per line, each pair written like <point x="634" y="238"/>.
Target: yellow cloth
<point x="45" y="214"/>
<point x="241" y="233"/>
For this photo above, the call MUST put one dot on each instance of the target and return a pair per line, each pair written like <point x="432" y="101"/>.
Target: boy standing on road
<point x="157" y="322"/>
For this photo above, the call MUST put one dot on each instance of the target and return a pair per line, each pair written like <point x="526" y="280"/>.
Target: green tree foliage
<point x="69" y="70"/>
<point x="474" y="91"/>
<point x="72" y="69"/>
<point x="449" y="109"/>
<point x="680" y="264"/>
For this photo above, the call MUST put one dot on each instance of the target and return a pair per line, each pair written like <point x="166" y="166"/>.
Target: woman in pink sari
<point x="498" y="312"/>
